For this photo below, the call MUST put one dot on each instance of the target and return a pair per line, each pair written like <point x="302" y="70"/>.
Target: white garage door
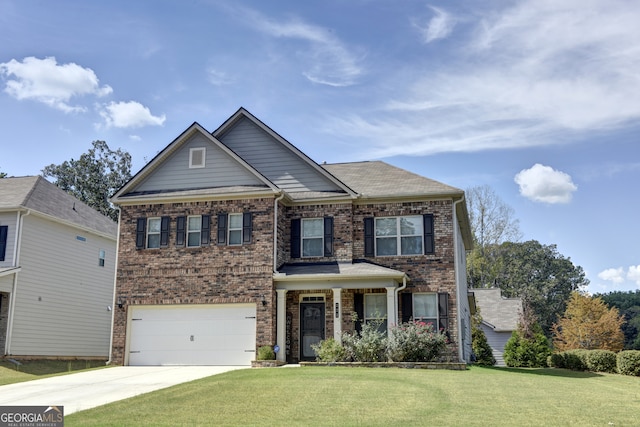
<point x="221" y="334"/>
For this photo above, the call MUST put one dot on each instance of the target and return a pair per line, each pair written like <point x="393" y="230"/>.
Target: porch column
<point x="281" y="324"/>
<point x="337" y="317"/>
<point x="392" y="316"/>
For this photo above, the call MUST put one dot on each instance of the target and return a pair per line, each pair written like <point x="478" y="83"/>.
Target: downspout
<point x="456" y="263"/>
<point x="14" y="291"/>
<point x="275" y="231"/>
<point x="402" y="287"/>
<point x="115" y="281"/>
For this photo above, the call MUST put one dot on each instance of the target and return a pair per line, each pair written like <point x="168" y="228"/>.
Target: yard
<point x="383" y="397"/>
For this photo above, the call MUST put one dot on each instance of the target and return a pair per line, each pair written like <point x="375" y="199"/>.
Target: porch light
<point x="121" y="302"/>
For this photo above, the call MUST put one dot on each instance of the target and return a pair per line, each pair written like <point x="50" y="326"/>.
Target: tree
<point x="3" y="175"/>
<point x="492" y="223"/>
<point x="481" y="348"/>
<point x="528" y="347"/>
<point x="628" y="303"/>
<point x="588" y="324"/>
<point x="92" y="178"/>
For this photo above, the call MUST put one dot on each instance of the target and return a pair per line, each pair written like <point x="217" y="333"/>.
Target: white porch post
<point x="337" y="316"/>
<point x="392" y="316"/>
<point x="281" y="324"/>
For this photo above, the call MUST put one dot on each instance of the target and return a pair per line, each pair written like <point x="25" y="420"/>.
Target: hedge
<point x="629" y="362"/>
<point x="626" y="362"/>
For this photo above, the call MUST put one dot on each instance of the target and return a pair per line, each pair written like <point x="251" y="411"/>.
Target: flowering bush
<point x="370" y="345"/>
<point x="415" y="342"/>
<point x="330" y="351"/>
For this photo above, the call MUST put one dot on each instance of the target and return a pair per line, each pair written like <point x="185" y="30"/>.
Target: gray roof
<point x="38" y="194"/>
<point x="502" y="314"/>
<point x="343" y="270"/>
<point x="379" y="179"/>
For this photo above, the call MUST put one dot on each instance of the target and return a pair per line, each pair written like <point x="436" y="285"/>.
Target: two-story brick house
<point x="236" y="239"/>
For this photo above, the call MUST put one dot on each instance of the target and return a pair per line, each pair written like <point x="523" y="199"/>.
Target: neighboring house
<point x="500" y="317"/>
<point x="57" y="269"/>
<point x="235" y="239"/>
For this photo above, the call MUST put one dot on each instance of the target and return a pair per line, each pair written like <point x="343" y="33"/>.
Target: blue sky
<point x="537" y="99"/>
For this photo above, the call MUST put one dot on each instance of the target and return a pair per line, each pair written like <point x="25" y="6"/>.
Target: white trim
<point x="281" y="324"/>
<point x="192" y="154"/>
<point x="302" y="297"/>
<point x="337" y="314"/>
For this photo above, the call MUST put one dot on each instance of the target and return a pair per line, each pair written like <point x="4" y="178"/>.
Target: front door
<point x="311" y="328"/>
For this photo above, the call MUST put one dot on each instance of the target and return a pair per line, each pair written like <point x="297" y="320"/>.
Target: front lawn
<point x="383" y="397"/>
<point x="28" y="370"/>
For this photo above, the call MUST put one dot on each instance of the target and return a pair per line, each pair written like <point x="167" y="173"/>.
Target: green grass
<point x="34" y="369"/>
<point x="333" y="396"/>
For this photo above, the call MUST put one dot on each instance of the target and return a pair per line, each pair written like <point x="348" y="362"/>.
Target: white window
<point x="375" y="308"/>
<point x="196" y="157"/>
<point x="425" y="309"/>
<point x="194" y="230"/>
<point x="153" y="233"/>
<point x="235" y="229"/>
<point x="313" y="237"/>
<point x="101" y="257"/>
<point x="399" y="235"/>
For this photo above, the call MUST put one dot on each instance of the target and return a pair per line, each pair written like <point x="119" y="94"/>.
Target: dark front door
<point x="311" y="328"/>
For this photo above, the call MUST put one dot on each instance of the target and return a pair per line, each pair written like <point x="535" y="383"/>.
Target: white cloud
<point x="46" y="81"/>
<point x="130" y="114"/>
<point x="634" y="274"/>
<point x="326" y="58"/>
<point x="615" y="275"/>
<point x="535" y="73"/>
<point x="438" y="27"/>
<point x="544" y="184"/>
<point x="218" y="78"/>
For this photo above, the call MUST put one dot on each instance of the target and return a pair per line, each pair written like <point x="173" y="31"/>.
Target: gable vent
<point x="196" y="157"/>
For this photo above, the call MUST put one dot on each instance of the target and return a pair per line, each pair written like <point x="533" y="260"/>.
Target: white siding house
<point x="57" y="268"/>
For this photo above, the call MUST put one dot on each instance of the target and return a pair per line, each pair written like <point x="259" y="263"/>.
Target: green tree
<point x="3" y="175"/>
<point x="95" y="176"/>
<point x="481" y="348"/>
<point x="628" y="303"/>
<point x="588" y="324"/>
<point x="528" y="347"/>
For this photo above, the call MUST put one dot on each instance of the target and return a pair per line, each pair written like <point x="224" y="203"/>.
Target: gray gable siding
<point x="221" y="170"/>
<point x="274" y="160"/>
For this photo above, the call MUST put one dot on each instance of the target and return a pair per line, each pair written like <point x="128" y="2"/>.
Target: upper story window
<point x="194" y="230"/>
<point x="153" y="233"/>
<point x="235" y="228"/>
<point x="403" y="235"/>
<point x="197" y="157"/>
<point x="312" y="237"/>
<point x="101" y="257"/>
<point x="4" y="231"/>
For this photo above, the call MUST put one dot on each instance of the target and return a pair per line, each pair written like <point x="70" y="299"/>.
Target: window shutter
<point x="369" y="237"/>
<point x="328" y="236"/>
<point x="141" y="225"/>
<point x="295" y="238"/>
<point x="407" y="306"/>
<point x="222" y="228"/>
<point x="181" y="222"/>
<point x="358" y="307"/>
<point x="443" y="311"/>
<point x="205" y="230"/>
<point x="4" y="231"/>
<point x="247" y="227"/>
<point x="164" y="231"/>
<point x="429" y="241"/>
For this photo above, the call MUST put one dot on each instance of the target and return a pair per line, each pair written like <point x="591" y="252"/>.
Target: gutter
<point x="14" y="291"/>
<point x="456" y="263"/>
<point x="401" y="288"/>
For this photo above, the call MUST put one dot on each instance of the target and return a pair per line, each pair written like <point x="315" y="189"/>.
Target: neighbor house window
<point x="4" y="231"/>
<point x="153" y="233"/>
<point x="375" y="309"/>
<point x="101" y="257"/>
<point x="235" y="228"/>
<point x="403" y="235"/>
<point x="196" y="157"/>
<point x="312" y="237"/>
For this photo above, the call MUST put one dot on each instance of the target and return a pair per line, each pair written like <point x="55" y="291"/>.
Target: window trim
<point x="192" y="151"/>
<point x="154" y="233"/>
<point x="303" y="238"/>
<point x="435" y="319"/>
<point x="102" y="255"/>
<point x="236" y="229"/>
<point x="371" y="239"/>
<point x="385" y="315"/>
<point x="398" y="236"/>
<point x="190" y="231"/>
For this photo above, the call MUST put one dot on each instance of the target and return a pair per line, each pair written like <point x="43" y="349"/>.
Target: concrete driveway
<point x="85" y="390"/>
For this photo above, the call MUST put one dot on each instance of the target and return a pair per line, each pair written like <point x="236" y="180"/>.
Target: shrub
<point x="415" y="342"/>
<point x="370" y="345"/>
<point x="576" y="360"/>
<point x="628" y="362"/>
<point x="555" y="360"/>
<point x="330" y="351"/>
<point x="522" y="352"/>
<point x="266" y="353"/>
<point x="481" y="348"/>
<point x="601" y="361"/>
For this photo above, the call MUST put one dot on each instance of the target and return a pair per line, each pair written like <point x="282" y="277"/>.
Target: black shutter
<point x="443" y="311"/>
<point x="328" y="236"/>
<point x="141" y="225"/>
<point x="205" y="230"/>
<point x="358" y="307"/>
<point x="369" y="238"/>
<point x="429" y="241"/>
<point x="407" y="306"/>
<point x="295" y="238"/>
<point x="164" y="231"/>
<point x="181" y="222"/>
<point x="247" y="227"/>
<point x="4" y="231"/>
<point x="222" y="228"/>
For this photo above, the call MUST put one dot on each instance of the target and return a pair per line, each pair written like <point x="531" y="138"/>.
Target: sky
<point x="538" y="99"/>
